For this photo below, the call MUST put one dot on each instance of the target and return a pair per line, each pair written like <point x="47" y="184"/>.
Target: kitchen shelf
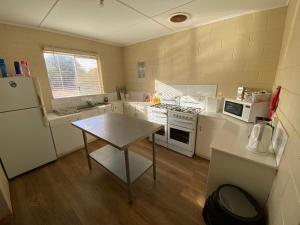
<point x="113" y="160"/>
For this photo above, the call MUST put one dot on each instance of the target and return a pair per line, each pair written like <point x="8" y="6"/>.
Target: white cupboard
<point x="232" y="163"/>
<point x="136" y="109"/>
<point x="68" y="138"/>
<point x="206" y="130"/>
<point x="129" y="109"/>
<point x="117" y="107"/>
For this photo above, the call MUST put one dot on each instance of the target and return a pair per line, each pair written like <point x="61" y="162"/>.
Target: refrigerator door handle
<point x="42" y="111"/>
<point x="40" y="100"/>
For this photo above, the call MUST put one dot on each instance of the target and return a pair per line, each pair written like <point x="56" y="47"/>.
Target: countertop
<point x="54" y="116"/>
<point x="232" y="139"/>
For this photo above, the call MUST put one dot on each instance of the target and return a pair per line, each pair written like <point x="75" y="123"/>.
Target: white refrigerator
<point x="25" y="141"/>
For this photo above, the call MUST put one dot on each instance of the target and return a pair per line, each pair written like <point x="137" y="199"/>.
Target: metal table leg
<point x="128" y="175"/>
<point x="153" y="156"/>
<point x="86" y="149"/>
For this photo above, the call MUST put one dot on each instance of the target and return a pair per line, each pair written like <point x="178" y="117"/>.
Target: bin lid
<point x="236" y="202"/>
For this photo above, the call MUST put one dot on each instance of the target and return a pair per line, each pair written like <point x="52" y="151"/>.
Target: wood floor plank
<point x="65" y="192"/>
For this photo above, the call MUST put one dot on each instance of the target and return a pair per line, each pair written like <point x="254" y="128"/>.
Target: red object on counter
<point x="25" y="68"/>
<point x="274" y="102"/>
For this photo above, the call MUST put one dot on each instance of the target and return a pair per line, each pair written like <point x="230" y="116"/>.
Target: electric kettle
<point x="261" y="138"/>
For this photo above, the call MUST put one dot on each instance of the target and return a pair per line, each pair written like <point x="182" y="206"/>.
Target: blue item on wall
<point x="3" y="68"/>
<point x="17" y="68"/>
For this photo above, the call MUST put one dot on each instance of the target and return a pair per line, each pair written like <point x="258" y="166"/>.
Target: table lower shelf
<point x="113" y="160"/>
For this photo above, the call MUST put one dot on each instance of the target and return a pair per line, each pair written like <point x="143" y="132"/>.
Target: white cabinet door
<point x="136" y="109"/>
<point x="253" y="177"/>
<point x="67" y="138"/>
<point x="129" y="109"/>
<point x="117" y="107"/>
<point x="207" y="128"/>
<point x="141" y="111"/>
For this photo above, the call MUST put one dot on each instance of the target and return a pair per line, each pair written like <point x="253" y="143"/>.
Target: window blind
<point x="73" y="75"/>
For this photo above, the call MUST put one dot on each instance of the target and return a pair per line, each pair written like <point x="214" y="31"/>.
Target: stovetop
<point x="191" y="110"/>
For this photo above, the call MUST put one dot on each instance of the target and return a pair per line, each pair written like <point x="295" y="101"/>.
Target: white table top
<point x="232" y="139"/>
<point x="118" y="130"/>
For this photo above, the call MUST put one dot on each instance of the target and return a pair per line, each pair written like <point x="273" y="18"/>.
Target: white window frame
<point x="75" y="53"/>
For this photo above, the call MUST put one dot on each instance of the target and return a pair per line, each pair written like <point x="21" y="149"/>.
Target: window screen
<point x="73" y="75"/>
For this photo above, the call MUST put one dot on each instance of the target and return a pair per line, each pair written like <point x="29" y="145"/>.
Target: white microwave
<point x="246" y="111"/>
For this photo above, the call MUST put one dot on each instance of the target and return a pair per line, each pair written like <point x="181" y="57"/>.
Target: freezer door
<point x="25" y="142"/>
<point x="17" y="93"/>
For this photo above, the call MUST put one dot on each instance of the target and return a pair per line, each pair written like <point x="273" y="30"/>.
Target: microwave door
<point x="234" y="108"/>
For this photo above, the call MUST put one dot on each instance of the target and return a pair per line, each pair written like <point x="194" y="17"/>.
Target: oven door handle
<point x="161" y="117"/>
<point x="180" y="128"/>
<point x="181" y="121"/>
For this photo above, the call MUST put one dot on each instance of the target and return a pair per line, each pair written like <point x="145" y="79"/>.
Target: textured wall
<point x="284" y="202"/>
<point x="22" y="43"/>
<point x="240" y="51"/>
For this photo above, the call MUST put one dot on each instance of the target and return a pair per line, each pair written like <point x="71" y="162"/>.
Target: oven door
<point x="181" y="137"/>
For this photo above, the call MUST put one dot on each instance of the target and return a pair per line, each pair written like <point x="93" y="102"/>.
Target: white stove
<point x="180" y="125"/>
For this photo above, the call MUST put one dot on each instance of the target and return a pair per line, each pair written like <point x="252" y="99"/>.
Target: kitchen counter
<point x="232" y="163"/>
<point x="54" y="116"/>
<point x="232" y="139"/>
<point x="220" y="115"/>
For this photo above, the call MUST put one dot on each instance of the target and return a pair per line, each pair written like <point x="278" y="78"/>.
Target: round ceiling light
<point x="179" y="17"/>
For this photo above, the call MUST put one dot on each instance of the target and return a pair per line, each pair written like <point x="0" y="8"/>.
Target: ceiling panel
<point x="203" y="11"/>
<point x="155" y="7"/>
<point x="137" y="33"/>
<point x="29" y="12"/>
<point x="124" y="21"/>
<point x="86" y="17"/>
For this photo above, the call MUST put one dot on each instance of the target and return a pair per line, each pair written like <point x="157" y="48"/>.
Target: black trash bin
<point x="231" y="205"/>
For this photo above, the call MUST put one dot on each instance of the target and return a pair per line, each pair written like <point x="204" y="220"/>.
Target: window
<point x="73" y="75"/>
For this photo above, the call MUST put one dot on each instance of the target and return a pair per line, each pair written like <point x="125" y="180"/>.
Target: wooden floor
<point x="65" y="192"/>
